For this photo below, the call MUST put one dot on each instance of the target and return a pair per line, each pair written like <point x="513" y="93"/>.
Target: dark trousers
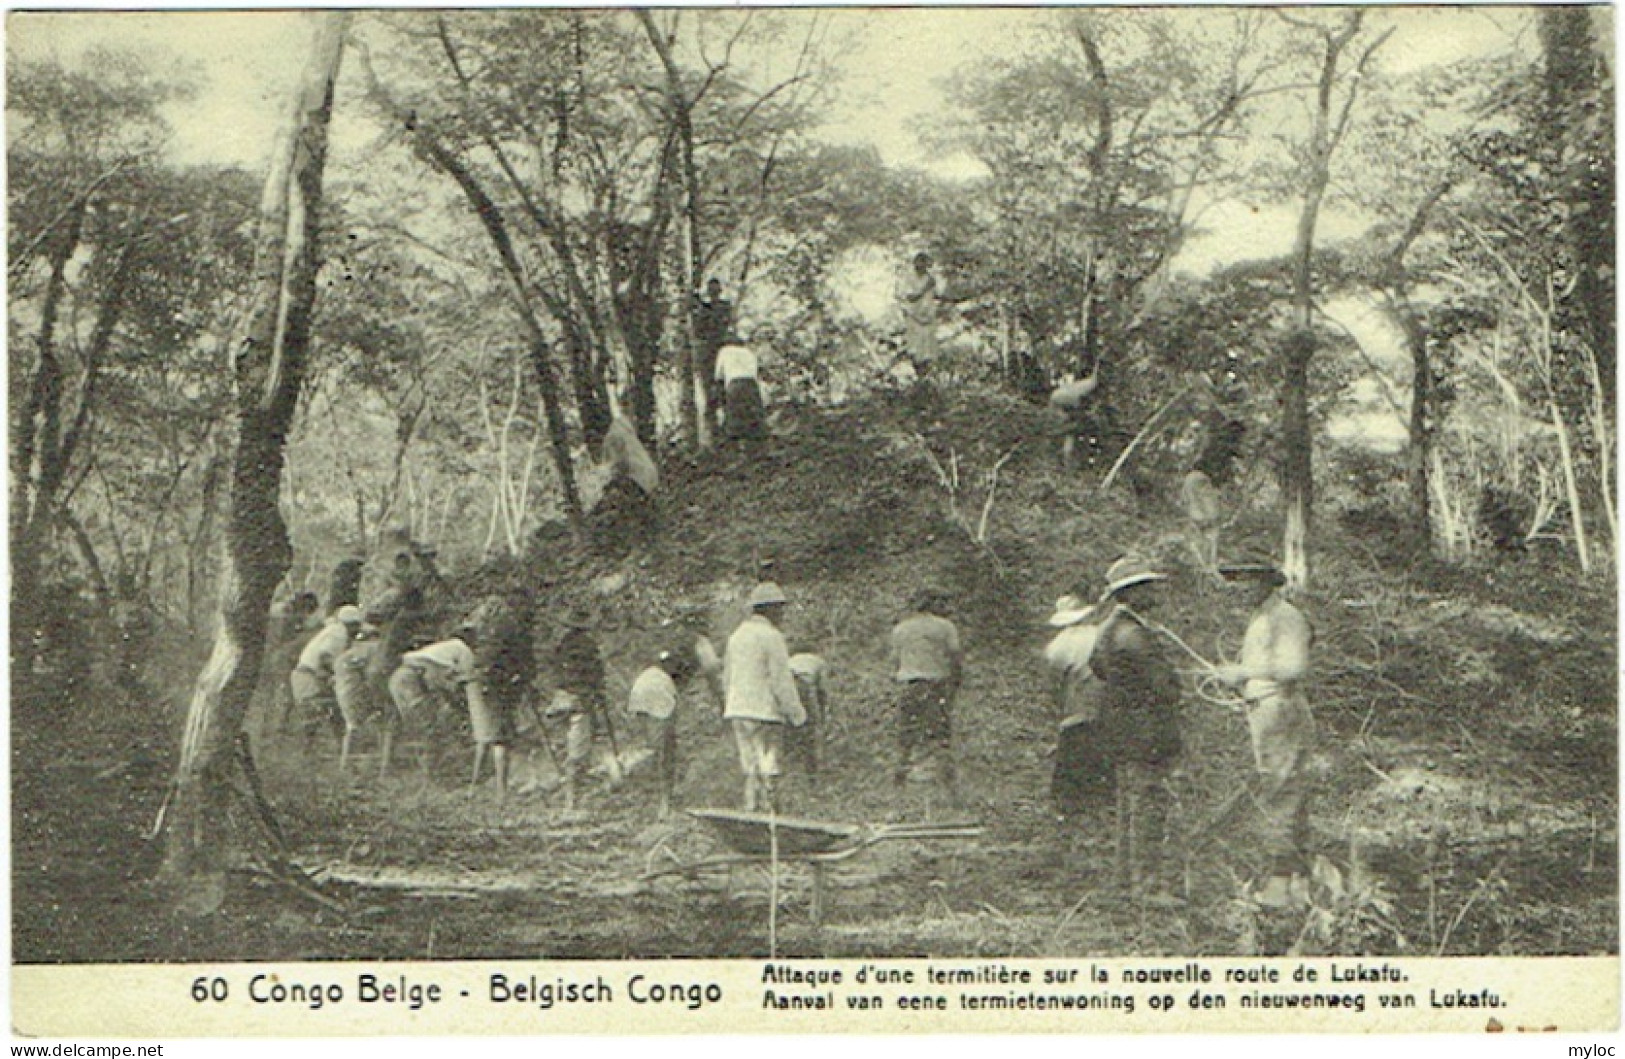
<point x="1142" y="822"/>
<point x="925" y="731"/>
<point x="1084" y="777"/>
<point x="802" y="744"/>
<point x="747" y="419"/>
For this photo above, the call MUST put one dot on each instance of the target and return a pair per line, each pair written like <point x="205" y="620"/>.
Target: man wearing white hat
<point x="1138" y="718"/>
<point x="1274" y="662"/>
<point x="760" y="695"/>
<point x="1083" y="769"/>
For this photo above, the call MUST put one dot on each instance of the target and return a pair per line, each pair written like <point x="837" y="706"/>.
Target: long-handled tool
<point x="541" y="731"/>
<point x="618" y="772"/>
<point x="752" y="835"/>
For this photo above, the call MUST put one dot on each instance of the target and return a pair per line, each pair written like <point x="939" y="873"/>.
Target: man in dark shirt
<point x="578" y="671"/>
<point x="398" y="612"/>
<point x="713" y="321"/>
<point x="1139" y="722"/>
<point x="345" y="585"/>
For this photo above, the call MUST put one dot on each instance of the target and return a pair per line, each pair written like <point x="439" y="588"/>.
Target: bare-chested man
<point x="1274" y="662"/>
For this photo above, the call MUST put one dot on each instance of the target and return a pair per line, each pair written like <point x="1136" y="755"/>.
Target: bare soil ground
<point x="1469" y="723"/>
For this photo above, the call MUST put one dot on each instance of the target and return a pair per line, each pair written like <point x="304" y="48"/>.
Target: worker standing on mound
<point x="1070" y="399"/>
<point x="713" y="324"/>
<point x="745" y="419"/>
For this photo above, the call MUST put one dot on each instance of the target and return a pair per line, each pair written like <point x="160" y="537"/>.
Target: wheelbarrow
<point x="758" y="838"/>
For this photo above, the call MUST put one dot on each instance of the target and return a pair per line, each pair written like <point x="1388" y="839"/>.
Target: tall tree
<point x="681" y="108"/>
<point x="88" y="208"/>
<point x="1578" y="122"/>
<point x="268" y="366"/>
<point x="1098" y="141"/>
<point x="1341" y="59"/>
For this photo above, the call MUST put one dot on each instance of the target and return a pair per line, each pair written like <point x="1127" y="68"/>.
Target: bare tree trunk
<point x="1571" y="484"/>
<point x="1329" y="124"/>
<point x="268" y="369"/>
<point x="1579" y="90"/>
<point x="34" y="431"/>
<point x="1421" y="431"/>
<point x="92" y="561"/>
<point x="683" y="118"/>
<point x="496" y="229"/>
<point x="1423" y="427"/>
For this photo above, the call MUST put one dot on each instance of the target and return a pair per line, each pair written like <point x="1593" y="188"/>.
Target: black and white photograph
<point x="785" y="484"/>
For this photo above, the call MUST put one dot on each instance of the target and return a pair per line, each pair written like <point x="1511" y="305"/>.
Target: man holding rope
<point x="1270" y="674"/>
<point x="1139" y="722"/>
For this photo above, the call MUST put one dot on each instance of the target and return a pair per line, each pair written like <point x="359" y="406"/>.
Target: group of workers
<point x="1116" y="687"/>
<point x="774" y="703"/>
<point x="1119" y="693"/>
<point x="374" y="661"/>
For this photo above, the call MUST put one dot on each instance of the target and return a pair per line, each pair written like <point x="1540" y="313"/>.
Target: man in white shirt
<point x="433" y="678"/>
<point x="760" y="695"/>
<point x="1271" y="673"/>
<point x="745" y="419"/>
<point x="653" y="700"/>
<point x="311" y="682"/>
<point x="806" y="743"/>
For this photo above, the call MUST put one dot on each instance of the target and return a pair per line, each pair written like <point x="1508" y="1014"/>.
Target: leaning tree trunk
<point x="268" y="368"/>
<point x="693" y="391"/>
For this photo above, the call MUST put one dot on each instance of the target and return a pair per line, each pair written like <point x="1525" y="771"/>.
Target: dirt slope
<point x="1469" y="748"/>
